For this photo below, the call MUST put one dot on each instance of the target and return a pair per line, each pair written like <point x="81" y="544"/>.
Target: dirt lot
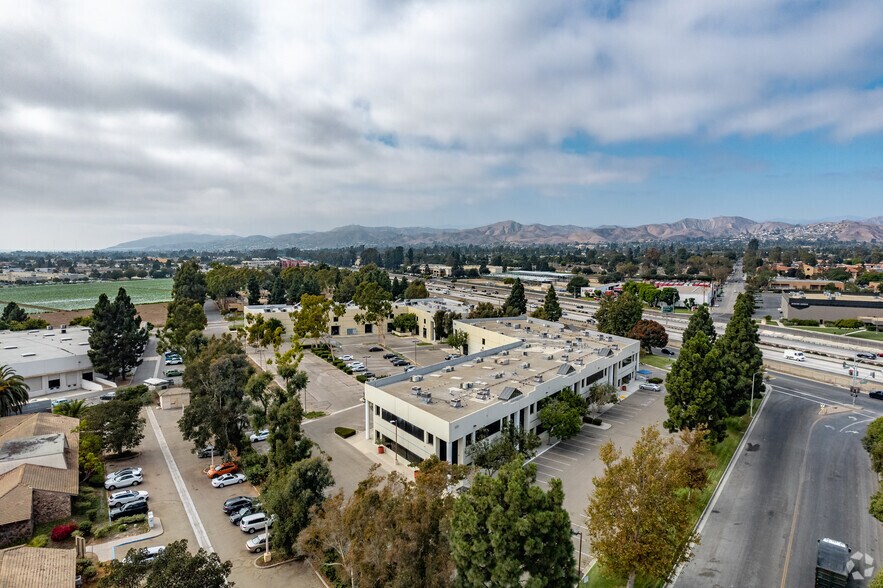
<point x="152" y="313"/>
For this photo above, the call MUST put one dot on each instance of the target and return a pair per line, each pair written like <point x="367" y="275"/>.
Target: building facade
<point x="832" y="307"/>
<point x="49" y="360"/>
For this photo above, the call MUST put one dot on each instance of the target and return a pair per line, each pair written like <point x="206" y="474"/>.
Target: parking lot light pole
<point x="396" y="425"/>
<point x="580" y="555"/>
<point x="415" y="352"/>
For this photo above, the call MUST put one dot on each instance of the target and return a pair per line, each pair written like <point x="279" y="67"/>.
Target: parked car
<point x="150" y="554"/>
<point x="58" y="401"/>
<point x="452" y="356"/>
<point x="210" y="451"/>
<point x="259" y="436"/>
<point x="389" y="355"/>
<point x="359" y="368"/>
<point x="174" y="373"/>
<point x="108" y="395"/>
<point x="355" y="364"/>
<point x="228" y="480"/>
<point x="235" y="503"/>
<point x="124" y="496"/>
<point x="401" y="362"/>
<point x="174" y="359"/>
<point x="410" y="368"/>
<point x="876" y="395"/>
<point x="648" y="386"/>
<point x="255" y="522"/>
<point x="666" y="351"/>
<point x="375" y="349"/>
<point x="238" y="515"/>
<point x="859" y="354"/>
<point x="228" y="467"/>
<point x="123" y="481"/>
<point x="368" y="374"/>
<point x="129" y="509"/>
<point x="345" y="358"/>
<point x="257" y="544"/>
<point x="123" y="472"/>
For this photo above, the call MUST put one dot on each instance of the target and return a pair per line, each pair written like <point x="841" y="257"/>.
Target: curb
<point x="113" y="549"/>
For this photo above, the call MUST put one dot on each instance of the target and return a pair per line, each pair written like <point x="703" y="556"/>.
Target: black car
<point x="866" y="355"/>
<point x="128" y="509"/>
<point x="666" y="351"/>
<point x="375" y="349"/>
<point x="401" y="363"/>
<point x="237" y="515"/>
<point x="233" y="504"/>
<point x="877" y="394"/>
<point x="389" y="355"/>
<point x="209" y="451"/>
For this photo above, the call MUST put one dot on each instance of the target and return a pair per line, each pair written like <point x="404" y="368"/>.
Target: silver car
<point x="124" y="496"/>
<point x="257" y="544"/>
<point x="123" y="481"/>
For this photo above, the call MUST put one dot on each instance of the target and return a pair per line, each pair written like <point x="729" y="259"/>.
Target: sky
<point x="122" y="120"/>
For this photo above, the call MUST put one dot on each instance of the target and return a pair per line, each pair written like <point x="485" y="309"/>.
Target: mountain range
<point x="514" y="233"/>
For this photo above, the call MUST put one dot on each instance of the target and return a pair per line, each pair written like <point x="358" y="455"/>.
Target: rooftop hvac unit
<point x="609" y="338"/>
<point x="417" y="378"/>
<point x="557" y="335"/>
<point x="416" y="390"/>
<point x="524" y="353"/>
<point x="504" y="352"/>
<point x="426" y="398"/>
<point x="527" y="345"/>
<point x="564" y="357"/>
<point x="503" y="361"/>
<point x="525" y="365"/>
<point x="498" y="376"/>
<point x="550" y="357"/>
<point x="465" y="385"/>
<point x="568" y="349"/>
<point x="479" y="360"/>
<point x="448" y="368"/>
<point x="456" y="403"/>
<point x="483" y="394"/>
<point x="518" y="325"/>
<point x="538" y="378"/>
<point x="579" y="361"/>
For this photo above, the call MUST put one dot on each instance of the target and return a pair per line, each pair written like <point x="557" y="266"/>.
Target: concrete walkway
<point x="107" y="551"/>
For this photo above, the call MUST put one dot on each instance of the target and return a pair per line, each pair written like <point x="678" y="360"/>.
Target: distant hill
<point x="514" y="233"/>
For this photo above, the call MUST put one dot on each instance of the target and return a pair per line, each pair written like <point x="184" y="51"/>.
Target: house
<point x="39" y="472"/>
<point x="34" y="567"/>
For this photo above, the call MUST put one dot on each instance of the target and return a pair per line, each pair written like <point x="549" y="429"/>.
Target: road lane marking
<point x="186" y="501"/>
<point x="853" y="424"/>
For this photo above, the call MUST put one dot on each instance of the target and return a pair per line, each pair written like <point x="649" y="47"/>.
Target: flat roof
<point x="838" y="296"/>
<point x="32" y="447"/>
<point x="539" y="351"/>
<point x="435" y="304"/>
<point x="17" y="347"/>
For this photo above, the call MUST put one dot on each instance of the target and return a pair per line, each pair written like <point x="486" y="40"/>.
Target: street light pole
<point x="415" y="352"/>
<point x="751" y="406"/>
<point x="580" y="555"/>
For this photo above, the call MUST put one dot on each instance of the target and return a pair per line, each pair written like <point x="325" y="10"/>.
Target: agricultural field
<point x="47" y="297"/>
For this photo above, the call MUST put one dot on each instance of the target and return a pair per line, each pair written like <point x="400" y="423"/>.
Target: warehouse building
<point x="832" y="307"/>
<point x="51" y="360"/>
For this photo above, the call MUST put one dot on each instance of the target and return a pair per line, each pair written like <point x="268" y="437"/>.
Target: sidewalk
<point x="386" y="460"/>
<point x="107" y="551"/>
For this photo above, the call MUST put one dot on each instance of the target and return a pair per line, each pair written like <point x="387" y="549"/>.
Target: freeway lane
<point x="803" y="475"/>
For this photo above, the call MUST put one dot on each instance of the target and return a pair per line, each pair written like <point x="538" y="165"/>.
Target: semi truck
<point x="832" y="564"/>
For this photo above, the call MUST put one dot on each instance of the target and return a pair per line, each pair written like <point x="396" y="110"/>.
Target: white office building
<point x="513" y="367"/>
<point x="49" y="360"/>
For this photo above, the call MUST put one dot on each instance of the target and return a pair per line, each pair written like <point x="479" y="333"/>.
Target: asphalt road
<point x="803" y="475"/>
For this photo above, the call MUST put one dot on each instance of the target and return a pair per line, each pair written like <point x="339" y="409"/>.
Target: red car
<point x="225" y="468"/>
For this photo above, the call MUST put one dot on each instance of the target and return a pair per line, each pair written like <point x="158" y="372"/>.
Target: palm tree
<point x="71" y="408"/>
<point x="13" y="391"/>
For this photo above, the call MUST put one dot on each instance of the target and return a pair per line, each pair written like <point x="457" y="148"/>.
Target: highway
<point x="802" y="475"/>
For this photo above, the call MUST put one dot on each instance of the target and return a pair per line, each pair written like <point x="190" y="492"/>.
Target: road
<point x="803" y="476"/>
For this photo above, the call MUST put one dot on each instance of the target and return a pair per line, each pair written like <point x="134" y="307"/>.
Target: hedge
<point x="654" y="380"/>
<point x="344" y="432"/>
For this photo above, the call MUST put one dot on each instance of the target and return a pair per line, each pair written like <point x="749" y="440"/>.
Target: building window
<point x="335" y="331"/>
<point x="531" y="408"/>
<point x="377" y="410"/>
<point x="350" y="331"/>
<point x="468" y="439"/>
<point x="369" y="328"/>
<point x="429" y="438"/>
<point x="482" y="340"/>
<point x="87" y="376"/>
<point x="404" y="425"/>
<point x="56" y="383"/>
<point x="335" y="320"/>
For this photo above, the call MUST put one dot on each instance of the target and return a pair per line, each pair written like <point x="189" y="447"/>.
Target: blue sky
<point x="125" y="121"/>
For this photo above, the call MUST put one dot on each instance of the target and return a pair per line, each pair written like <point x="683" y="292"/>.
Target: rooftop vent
<point x="479" y="360"/>
<point x="417" y="378"/>
<point x="28" y="354"/>
<point x="497" y="376"/>
<point x="416" y="390"/>
<point x="525" y="365"/>
<point x="504" y="352"/>
<point x="538" y="378"/>
<point x="503" y="361"/>
<point x="448" y="368"/>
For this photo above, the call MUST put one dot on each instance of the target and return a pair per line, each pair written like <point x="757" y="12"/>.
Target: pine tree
<point x="131" y="338"/>
<point x="551" y="306"/>
<point x="700" y="321"/>
<point x="277" y="293"/>
<point x="693" y="387"/>
<point x="101" y="338"/>
<point x="254" y="290"/>
<point x="740" y="357"/>
<point x="516" y="303"/>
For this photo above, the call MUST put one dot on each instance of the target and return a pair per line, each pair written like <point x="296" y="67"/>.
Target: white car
<point x="653" y="387"/>
<point x="355" y="364"/>
<point x="228" y="479"/>
<point x="123" y="481"/>
<point x="359" y="368"/>
<point x="257" y="544"/>
<point x="259" y="436"/>
<point x="58" y="401"/>
<point x="123" y="472"/>
<point x="345" y="358"/>
<point x="256" y="522"/>
<point x="124" y="496"/>
<point x="150" y="553"/>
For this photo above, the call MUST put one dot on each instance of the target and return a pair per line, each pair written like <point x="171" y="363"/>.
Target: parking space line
<point x="545" y="465"/>
<point x="579" y="446"/>
<point x="186" y="501"/>
<point x="570" y="450"/>
<point x="564" y="463"/>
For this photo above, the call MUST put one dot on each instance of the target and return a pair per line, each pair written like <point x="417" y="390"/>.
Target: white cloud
<point x="126" y="119"/>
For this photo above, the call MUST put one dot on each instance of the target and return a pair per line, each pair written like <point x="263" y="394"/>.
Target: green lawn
<point x="829" y="330"/>
<point x="873" y="335"/>
<point x="657" y="361"/>
<point x="723" y="452"/>
<point x="80" y="296"/>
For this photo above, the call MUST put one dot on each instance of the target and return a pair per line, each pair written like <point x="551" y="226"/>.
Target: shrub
<point x="86" y="528"/>
<point x="768" y="318"/>
<point x="131" y="520"/>
<point x="655" y="380"/>
<point x="86" y="568"/>
<point x="848" y="324"/>
<point x="62" y="532"/>
<point x="39" y="541"/>
<point x="361" y="378"/>
<point x="104" y="531"/>
<point x="344" y="432"/>
<point x="597" y="421"/>
<point x="348" y="371"/>
<point x="92" y="514"/>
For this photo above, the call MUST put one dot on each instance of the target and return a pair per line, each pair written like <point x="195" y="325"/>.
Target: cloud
<point x="121" y="120"/>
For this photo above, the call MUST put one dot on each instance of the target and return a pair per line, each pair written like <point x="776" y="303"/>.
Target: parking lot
<point x="410" y="348"/>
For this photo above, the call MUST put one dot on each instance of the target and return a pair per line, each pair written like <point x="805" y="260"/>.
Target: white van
<point x="794" y="355"/>
<point x="255" y="522"/>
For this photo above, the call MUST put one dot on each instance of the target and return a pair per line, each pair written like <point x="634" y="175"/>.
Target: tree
<point x="601" y="394"/>
<point x="277" y="292"/>
<point x="290" y="495"/>
<point x="13" y="392"/>
<point x="551" y="307"/>
<point x="492" y="453"/>
<point x="873" y="444"/>
<point x="119" y="422"/>
<point x="506" y="531"/>
<point x="416" y="289"/>
<point x="218" y="409"/>
<point x="375" y="304"/>
<point x="174" y="567"/>
<point x="72" y="408"/>
<point x="563" y="416"/>
<point x="670" y="296"/>
<point x="740" y="356"/>
<point x="650" y="334"/>
<point x="310" y="321"/>
<point x="516" y="303"/>
<point x="189" y="282"/>
<point x="254" y="290"/>
<point x="458" y="340"/>
<point x="287" y="442"/>
<point x="184" y="318"/>
<point x="638" y="520"/>
<point x="700" y="321"/>
<point x="405" y="323"/>
<point x="13" y="313"/>
<point x="484" y="310"/>
<point x="116" y="340"/>
<point x="693" y="396"/>
<point x="576" y="284"/>
<point x="617" y="315"/>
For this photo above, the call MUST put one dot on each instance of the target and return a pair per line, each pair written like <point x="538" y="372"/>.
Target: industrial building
<point x="50" y="360"/>
<point x="512" y="367"/>
<point x="832" y="307"/>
